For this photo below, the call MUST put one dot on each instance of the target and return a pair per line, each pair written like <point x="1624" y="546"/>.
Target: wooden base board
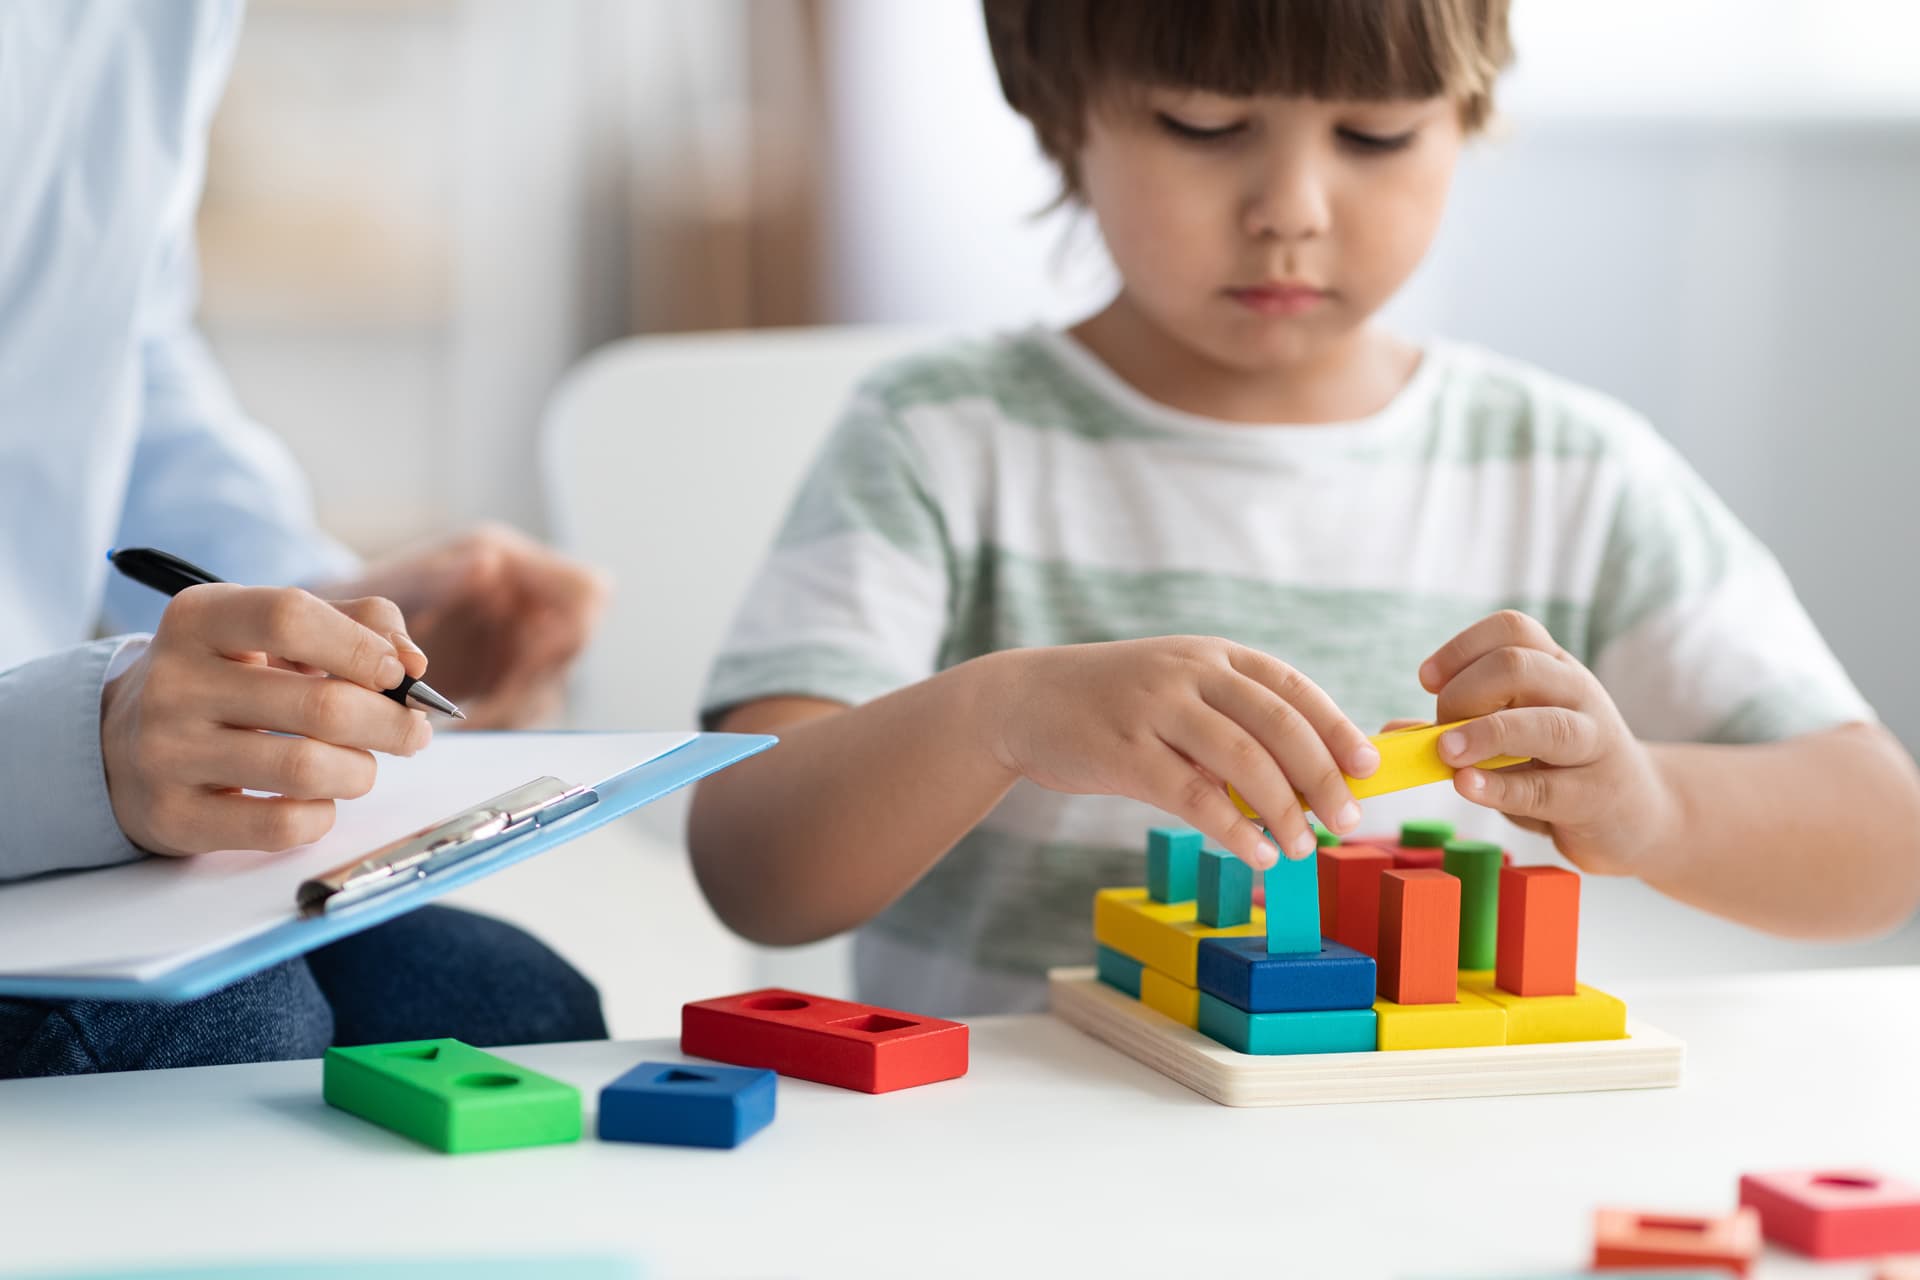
<point x="1647" y="1059"/>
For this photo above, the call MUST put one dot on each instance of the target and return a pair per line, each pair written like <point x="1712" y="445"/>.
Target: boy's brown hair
<point x="1057" y="57"/>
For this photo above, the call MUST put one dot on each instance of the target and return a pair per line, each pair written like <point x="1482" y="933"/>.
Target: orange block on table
<point x="1539" y="931"/>
<point x="1350" y="895"/>
<point x="1630" y="1239"/>
<point x="1419" y="936"/>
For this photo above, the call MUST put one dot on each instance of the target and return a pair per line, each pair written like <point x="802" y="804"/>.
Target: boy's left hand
<point x="1592" y="786"/>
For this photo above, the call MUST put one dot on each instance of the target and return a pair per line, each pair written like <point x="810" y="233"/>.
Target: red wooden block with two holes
<point x="1835" y="1213"/>
<point x="837" y="1042"/>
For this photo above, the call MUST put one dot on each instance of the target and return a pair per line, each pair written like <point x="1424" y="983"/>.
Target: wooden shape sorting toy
<point x="1627" y="1238"/>
<point x="1173" y="860"/>
<point x="1477" y="863"/>
<point x="1649" y="1059"/>
<point x="1538" y="937"/>
<point x="1350" y="895"/>
<point x="1161" y="935"/>
<point x="837" y="1042"/>
<point x="450" y="1096"/>
<point x="1465" y="1023"/>
<point x="1242" y="972"/>
<point x="1175" y="999"/>
<point x="1419" y="937"/>
<point x="1587" y="1014"/>
<point x="1835" y="1213"/>
<point x="1225" y="889"/>
<point x="686" y="1106"/>
<point x="1122" y="973"/>
<point x="1408" y="758"/>
<point x="1266" y="1034"/>
<point x="1293" y="906"/>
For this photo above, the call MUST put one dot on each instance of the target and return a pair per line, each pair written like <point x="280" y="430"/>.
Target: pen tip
<point x="458" y="714"/>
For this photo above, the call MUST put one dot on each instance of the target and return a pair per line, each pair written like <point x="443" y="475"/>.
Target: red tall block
<point x="1835" y="1213"/>
<point x="1419" y="961"/>
<point x="838" y="1042"/>
<point x="1350" y="895"/>
<point x="1539" y="931"/>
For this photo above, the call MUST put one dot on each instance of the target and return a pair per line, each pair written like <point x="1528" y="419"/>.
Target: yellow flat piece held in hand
<point x="1408" y="758"/>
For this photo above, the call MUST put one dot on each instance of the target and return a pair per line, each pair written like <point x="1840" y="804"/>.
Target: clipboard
<point x="487" y="838"/>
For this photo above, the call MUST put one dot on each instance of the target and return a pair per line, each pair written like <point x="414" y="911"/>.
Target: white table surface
<point x="1054" y="1155"/>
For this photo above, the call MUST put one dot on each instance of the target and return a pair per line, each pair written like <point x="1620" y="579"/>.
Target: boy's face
<point x="1262" y="232"/>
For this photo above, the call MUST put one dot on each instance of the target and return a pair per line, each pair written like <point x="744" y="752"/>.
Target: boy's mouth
<point x="1279" y="297"/>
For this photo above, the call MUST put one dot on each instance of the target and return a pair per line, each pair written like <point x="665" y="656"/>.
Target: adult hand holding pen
<point x="232" y="695"/>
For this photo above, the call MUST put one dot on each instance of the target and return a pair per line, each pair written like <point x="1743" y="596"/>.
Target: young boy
<point x="1038" y="587"/>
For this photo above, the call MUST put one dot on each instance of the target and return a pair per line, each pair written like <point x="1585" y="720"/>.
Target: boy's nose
<point x="1290" y="203"/>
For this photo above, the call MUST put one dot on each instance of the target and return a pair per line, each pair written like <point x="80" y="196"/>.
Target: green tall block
<point x="1225" y="889"/>
<point x="1293" y="906"/>
<point x="1476" y="864"/>
<point x="1425" y="833"/>
<point x="1173" y="863"/>
<point x="451" y="1096"/>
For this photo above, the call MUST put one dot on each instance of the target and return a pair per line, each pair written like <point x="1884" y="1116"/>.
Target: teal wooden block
<point x="1122" y="973"/>
<point x="1173" y="862"/>
<point x="1476" y="864"/>
<point x="1272" y="1034"/>
<point x="1293" y="906"/>
<point x="1225" y="889"/>
<point x="451" y="1096"/>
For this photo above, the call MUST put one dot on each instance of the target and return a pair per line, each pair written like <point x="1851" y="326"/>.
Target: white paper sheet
<point x="148" y="917"/>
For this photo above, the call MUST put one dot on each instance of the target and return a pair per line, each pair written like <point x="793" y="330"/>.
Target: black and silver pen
<point x="172" y="575"/>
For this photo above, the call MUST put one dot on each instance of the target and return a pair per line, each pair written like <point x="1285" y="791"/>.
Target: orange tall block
<point x="1350" y="895"/>
<point x="1539" y="931"/>
<point x="1419" y="936"/>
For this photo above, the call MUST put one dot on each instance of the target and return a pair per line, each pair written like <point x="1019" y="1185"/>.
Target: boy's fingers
<point x="1507" y="628"/>
<point x="1511" y="676"/>
<point x="290" y="624"/>
<point x="1175" y="785"/>
<point x="1229" y="753"/>
<point x="1306" y="764"/>
<point x="1522" y="791"/>
<point x="1351" y="751"/>
<point x="1551" y="735"/>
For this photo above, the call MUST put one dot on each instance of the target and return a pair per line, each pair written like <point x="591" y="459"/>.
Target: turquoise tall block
<point x="1293" y="906"/>
<point x="1225" y="889"/>
<point x="1173" y="863"/>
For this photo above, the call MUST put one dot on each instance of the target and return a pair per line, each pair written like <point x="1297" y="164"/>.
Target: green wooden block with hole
<point x="451" y="1096"/>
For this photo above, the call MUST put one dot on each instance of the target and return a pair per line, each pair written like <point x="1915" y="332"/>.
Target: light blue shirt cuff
<point x="53" y="786"/>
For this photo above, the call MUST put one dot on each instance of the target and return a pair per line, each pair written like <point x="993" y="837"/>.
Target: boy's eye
<point x="1197" y="133"/>
<point x="1360" y="140"/>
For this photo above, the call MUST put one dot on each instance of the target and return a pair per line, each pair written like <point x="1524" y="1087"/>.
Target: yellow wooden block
<point x="1161" y="935"/>
<point x="1470" y="1022"/>
<point x="1587" y="1014"/>
<point x="1408" y="758"/>
<point x="1175" y="999"/>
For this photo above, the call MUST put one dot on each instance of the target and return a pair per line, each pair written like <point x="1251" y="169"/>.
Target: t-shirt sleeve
<point x="1696" y="631"/>
<point x="853" y="599"/>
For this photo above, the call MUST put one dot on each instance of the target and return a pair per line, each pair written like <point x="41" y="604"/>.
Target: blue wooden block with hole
<point x="1173" y="862"/>
<point x="687" y="1106"/>
<point x="1242" y="972"/>
<point x="1225" y="889"/>
<point x="450" y="1096"/>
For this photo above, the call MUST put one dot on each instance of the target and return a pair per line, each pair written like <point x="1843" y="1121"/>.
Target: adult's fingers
<point x="207" y="822"/>
<point x="289" y="624"/>
<point x="337" y="712"/>
<point x="281" y="765"/>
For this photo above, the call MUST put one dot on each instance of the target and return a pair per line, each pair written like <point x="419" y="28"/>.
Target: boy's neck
<point x="1350" y="380"/>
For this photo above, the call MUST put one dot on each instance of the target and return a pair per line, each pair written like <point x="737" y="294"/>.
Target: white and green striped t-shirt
<point x="1015" y="492"/>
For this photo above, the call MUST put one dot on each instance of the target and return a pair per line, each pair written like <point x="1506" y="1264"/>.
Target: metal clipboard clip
<point x="414" y="857"/>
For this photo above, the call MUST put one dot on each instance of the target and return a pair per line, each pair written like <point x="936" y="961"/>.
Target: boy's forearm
<point x="1813" y="837"/>
<point x="828" y="828"/>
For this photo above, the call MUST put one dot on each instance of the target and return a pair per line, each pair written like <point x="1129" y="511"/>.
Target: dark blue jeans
<point x="431" y="973"/>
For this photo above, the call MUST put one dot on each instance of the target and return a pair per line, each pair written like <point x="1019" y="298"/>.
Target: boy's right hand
<point x="1169" y="721"/>
<point x="181" y="728"/>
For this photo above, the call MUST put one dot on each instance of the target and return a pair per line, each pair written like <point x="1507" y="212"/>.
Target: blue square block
<point x="1293" y="906"/>
<point x="687" y="1106"/>
<point x="1173" y="860"/>
<point x="1243" y="973"/>
<point x="1225" y="889"/>
<point x="1314" y="1031"/>
<point x="1122" y="973"/>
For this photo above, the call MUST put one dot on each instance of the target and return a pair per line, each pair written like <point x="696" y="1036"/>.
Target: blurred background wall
<point x="420" y="213"/>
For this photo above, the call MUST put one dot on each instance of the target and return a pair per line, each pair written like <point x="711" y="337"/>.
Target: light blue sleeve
<point x="53" y="789"/>
<point x="208" y="483"/>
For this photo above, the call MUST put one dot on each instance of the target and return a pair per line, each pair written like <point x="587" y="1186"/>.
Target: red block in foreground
<point x="1625" y="1239"/>
<point x="837" y="1042"/>
<point x="1835" y="1213"/>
